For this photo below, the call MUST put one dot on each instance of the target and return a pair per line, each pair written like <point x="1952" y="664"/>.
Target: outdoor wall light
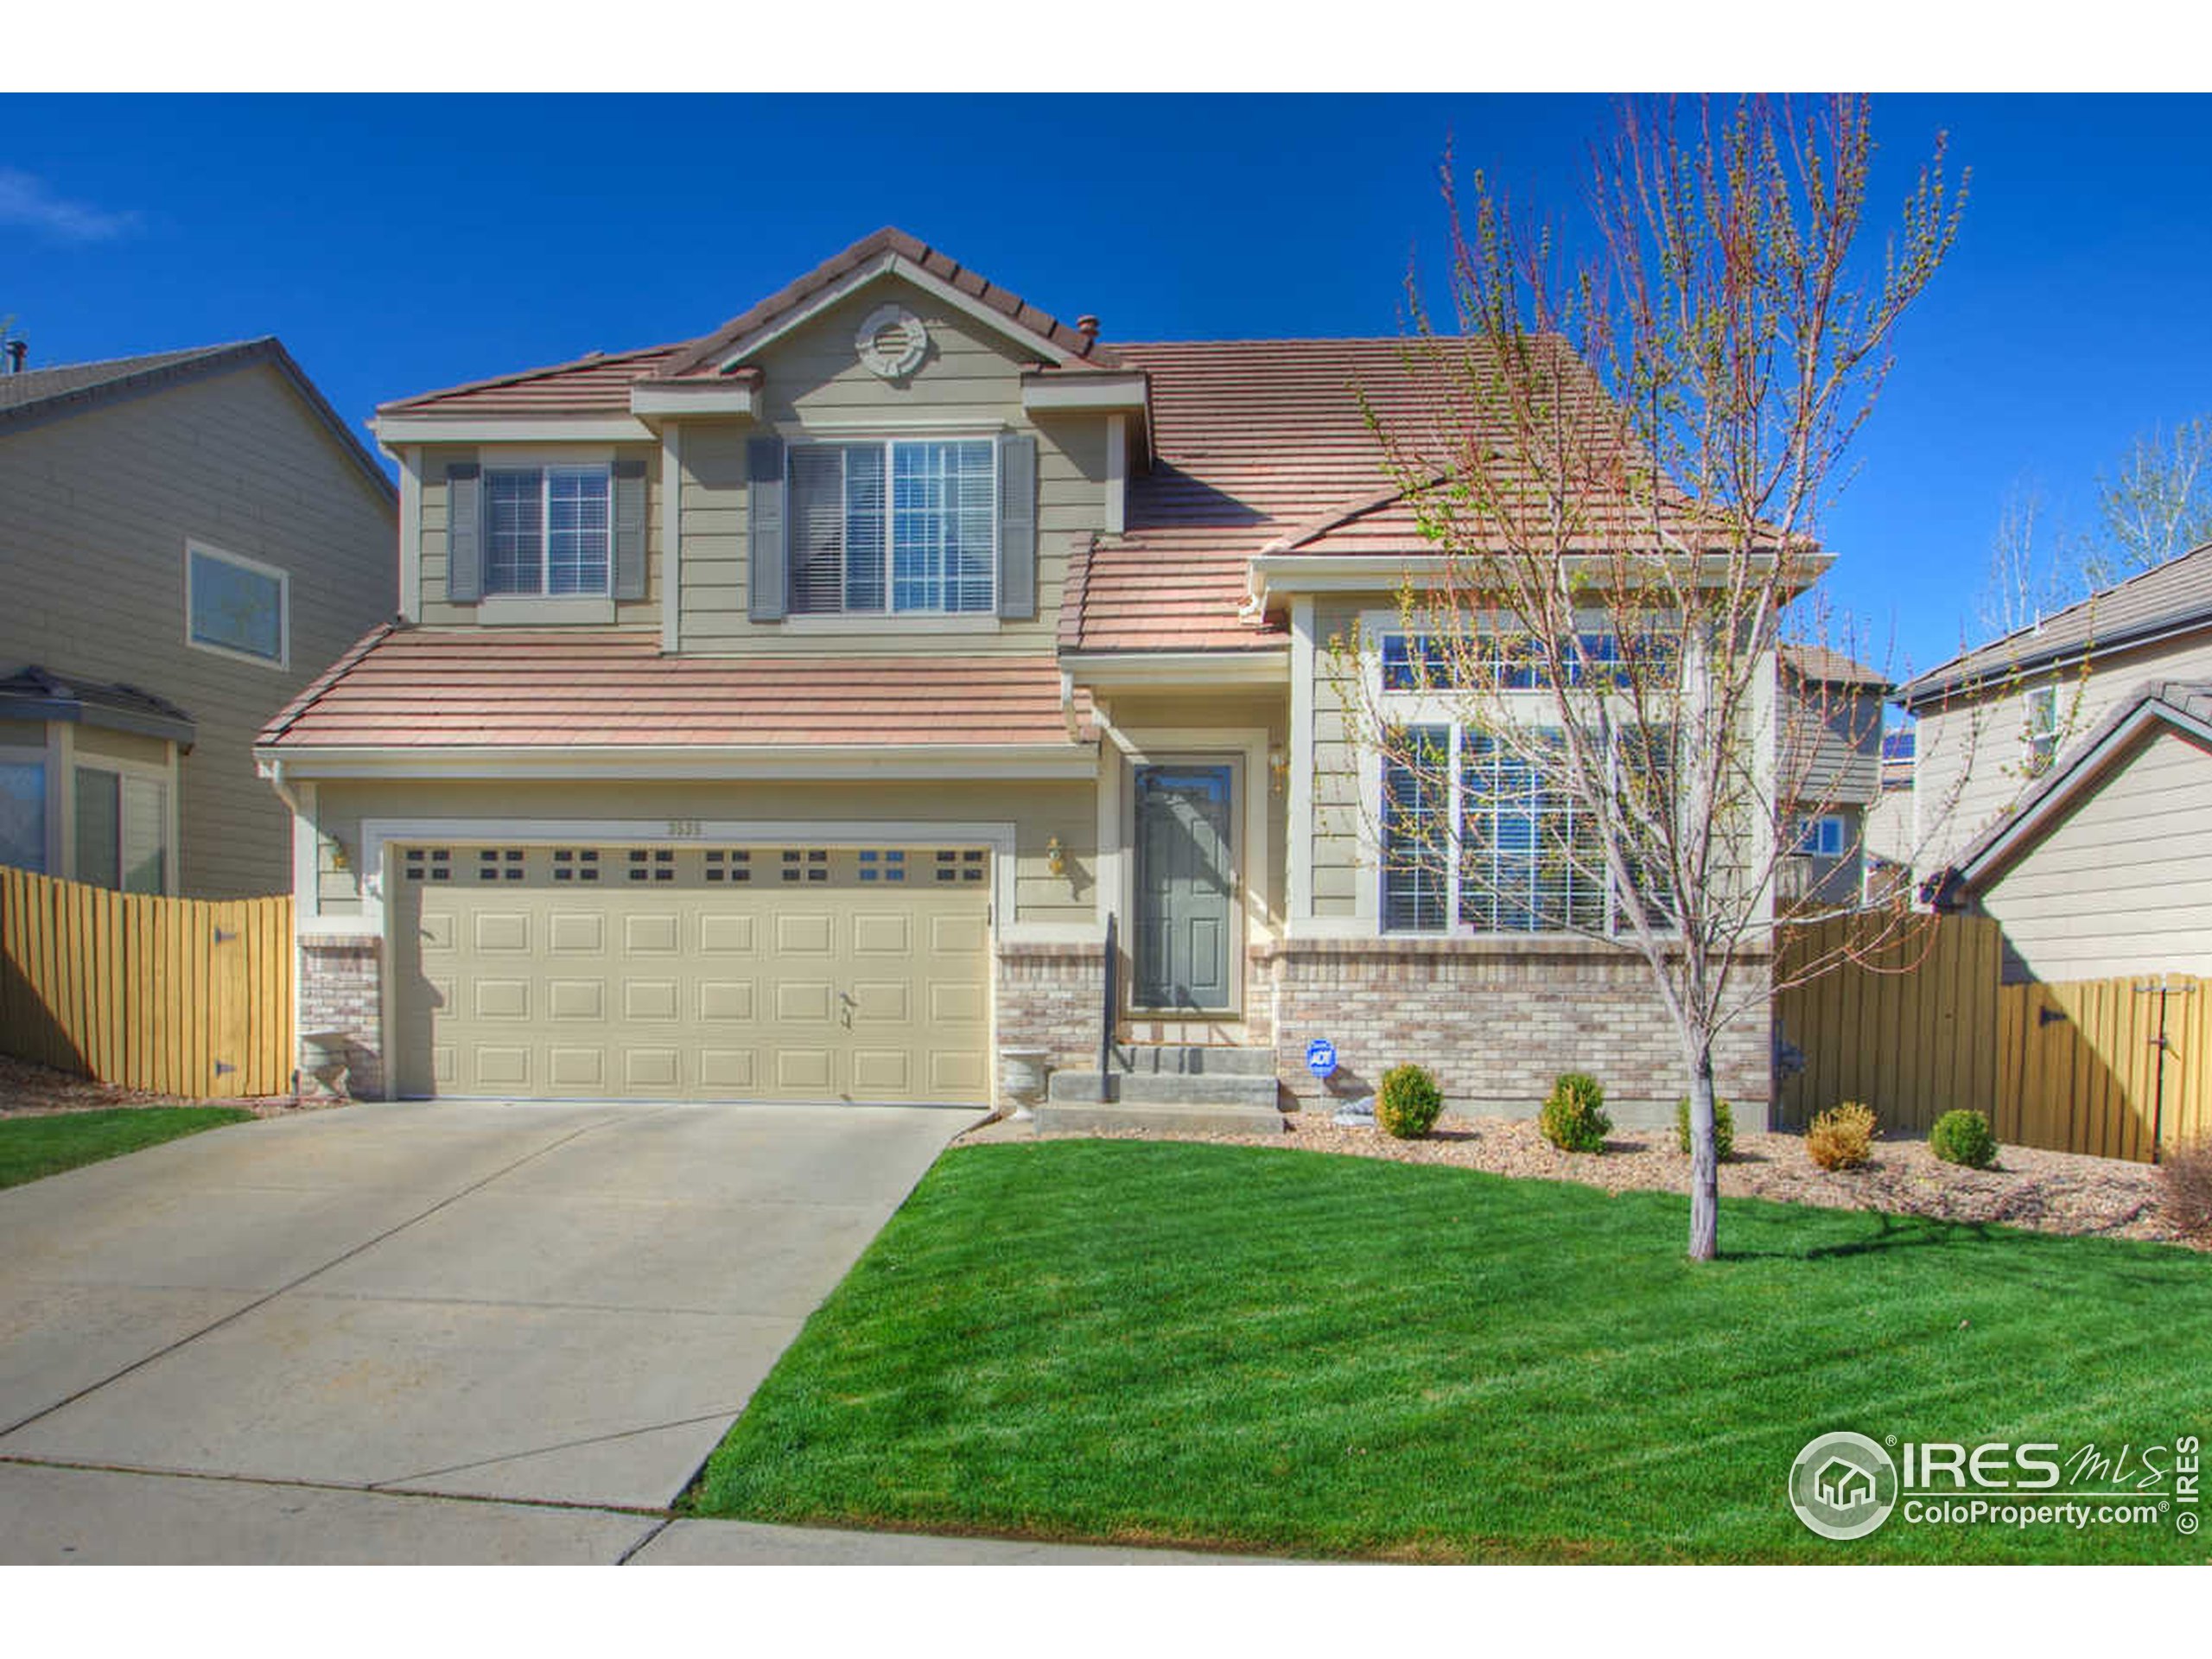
<point x="1279" y="768"/>
<point x="1056" y="861"/>
<point x="340" y="859"/>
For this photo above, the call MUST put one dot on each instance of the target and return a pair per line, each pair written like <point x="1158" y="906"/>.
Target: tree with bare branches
<point x="1619" y="475"/>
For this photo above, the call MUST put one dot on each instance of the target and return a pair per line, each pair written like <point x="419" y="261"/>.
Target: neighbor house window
<point x="2042" y="729"/>
<point x="237" y="605"/>
<point x="1821" y="837"/>
<point x="547" y="531"/>
<point x="905" y="527"/>
<point x="121" y="833"/>
<point x="22" y="814"/>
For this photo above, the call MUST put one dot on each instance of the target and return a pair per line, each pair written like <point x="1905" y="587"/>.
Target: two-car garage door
<point x="692" y="971"/>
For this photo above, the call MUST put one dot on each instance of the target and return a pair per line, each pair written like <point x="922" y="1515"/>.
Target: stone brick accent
<point x="341" y="989"/>
<point x="1496" y="1021"/>
<point x="1049" y="997"/>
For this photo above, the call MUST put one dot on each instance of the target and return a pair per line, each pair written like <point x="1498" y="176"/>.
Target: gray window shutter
<point x="629" y="529"/>
<point x="464" y="532"/>
<point x="764" y="486"/>
<point x="1017" y="527"/>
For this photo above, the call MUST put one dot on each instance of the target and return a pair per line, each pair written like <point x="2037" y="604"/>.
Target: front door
<point x="1185" y="887"/>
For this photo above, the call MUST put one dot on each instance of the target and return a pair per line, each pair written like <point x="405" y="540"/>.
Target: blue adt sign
<point x="1320" y="1057"/>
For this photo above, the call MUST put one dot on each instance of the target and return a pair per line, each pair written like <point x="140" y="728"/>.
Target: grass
<point x="31" y="1148"/>
<point x="1287" y="1351"/>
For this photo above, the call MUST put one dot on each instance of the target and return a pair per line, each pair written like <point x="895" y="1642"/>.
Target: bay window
<point x="899" y="527"/>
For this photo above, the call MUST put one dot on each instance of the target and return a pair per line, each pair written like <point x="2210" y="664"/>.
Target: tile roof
<point x="2176" y="594"/>
<point x="578" y="688"/>
<point x="2076" y="771"/>
<point x="596" y="383"/>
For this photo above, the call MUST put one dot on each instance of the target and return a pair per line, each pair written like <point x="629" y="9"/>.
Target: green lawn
<point x="1290" y="1352"/>
<point x="32" y="1147"/>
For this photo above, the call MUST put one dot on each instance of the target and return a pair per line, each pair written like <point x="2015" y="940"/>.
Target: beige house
<point x="187" y="539"/>
<point x="1830" y="728"/>
<point x="797" y="711"/>
<point x="2079" y="757"/>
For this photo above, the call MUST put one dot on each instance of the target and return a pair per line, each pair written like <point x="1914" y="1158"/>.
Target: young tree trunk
<point x="1705" y="1161"/>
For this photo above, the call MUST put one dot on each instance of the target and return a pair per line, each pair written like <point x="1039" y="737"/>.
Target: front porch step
<point x="1165" y="1088"/>
<point x="1171" y="1117"/>
<point x="1193" y="1060"/>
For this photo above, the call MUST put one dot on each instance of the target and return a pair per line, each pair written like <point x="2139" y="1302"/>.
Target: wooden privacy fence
<point x="2119" y="1067"/>
<point x="183" y="996"/>
<point x="1911" y="1030"/>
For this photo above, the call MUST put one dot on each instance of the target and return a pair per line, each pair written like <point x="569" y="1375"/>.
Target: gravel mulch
<point x="30" y="1090"/>
<point x="2047" y="1192"/>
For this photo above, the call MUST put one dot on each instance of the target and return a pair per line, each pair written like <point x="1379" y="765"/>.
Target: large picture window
<point x="907" y="527"/>
<point x="547" y="531"/>
<point x="235" y="606"/>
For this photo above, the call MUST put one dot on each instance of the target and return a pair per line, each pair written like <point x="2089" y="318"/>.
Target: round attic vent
<point x="891" y="342"/>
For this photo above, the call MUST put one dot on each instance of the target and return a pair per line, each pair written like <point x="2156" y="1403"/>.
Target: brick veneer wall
<point x="1496" y="1022"/>
<point x="1049" y="997"/>
<point x="341" y="989"/>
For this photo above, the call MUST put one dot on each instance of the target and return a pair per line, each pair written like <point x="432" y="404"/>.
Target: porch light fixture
<point x="1278" y="769"/>
<point x="1055" y="860"/>
<point x="341" y="858"/>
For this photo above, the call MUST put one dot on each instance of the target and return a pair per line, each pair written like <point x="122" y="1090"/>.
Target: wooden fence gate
<point x="182" y="996"/>
<point x="2118" y="1068"/>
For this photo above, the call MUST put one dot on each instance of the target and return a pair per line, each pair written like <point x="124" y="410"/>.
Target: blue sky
<point x="401" y="244"/>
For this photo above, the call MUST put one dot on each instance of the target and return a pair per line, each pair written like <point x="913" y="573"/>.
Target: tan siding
<point x="93" y="744"/>
<point x="814" y="383"/>
<point x="436" y="612"/>
<point x="1831" y="744"/>
<point x="23" y="733"/>
<point x="1338" y="829"/>
<point x="99" y="506"/>
<point x="1039" y="811"/>
<point x="2121" y="885"/>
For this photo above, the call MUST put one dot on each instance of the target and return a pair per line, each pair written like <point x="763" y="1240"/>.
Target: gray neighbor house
<point x="187" y="537"/>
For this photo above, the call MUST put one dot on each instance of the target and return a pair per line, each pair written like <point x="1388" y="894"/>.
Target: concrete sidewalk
<point x="58" y="1516"/>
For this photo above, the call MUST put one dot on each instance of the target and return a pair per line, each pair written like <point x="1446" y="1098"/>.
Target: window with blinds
<point x="902" y="527"/>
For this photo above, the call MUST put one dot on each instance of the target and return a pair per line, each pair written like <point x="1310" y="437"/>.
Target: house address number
<point x="685" y="828"/>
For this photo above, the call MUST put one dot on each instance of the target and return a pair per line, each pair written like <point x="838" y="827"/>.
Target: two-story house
<point x="791" y="712"/>
<point x="186" y="538"/>
<point x="1830" y="728"/>
<point x="2063" y="781"/>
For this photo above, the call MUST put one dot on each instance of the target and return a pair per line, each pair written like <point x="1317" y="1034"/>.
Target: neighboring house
<point x="2080" y="755"/>
<point x="791" y="711"/>
<point x="1890" y="826"/>
<point x="187" y="539"/>
<point x="1830" y="734"/>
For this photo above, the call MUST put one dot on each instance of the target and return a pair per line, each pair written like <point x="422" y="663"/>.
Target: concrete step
<point x="1071" y="1118"/>
<point x="1164" y="1088"/>
<point x="1194" y="1060"/>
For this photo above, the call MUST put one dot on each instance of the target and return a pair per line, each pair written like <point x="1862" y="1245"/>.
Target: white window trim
<point x="889" y="620"/>
<point x="543" y="461"/>
<point x="282" y="661"/>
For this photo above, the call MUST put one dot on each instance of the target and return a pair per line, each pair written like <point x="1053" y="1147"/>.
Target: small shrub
<point x="1724" y="1127"/>
<point x="1407" y="1102"/>
<point x="1574" y="1118"/>
<point x="2185" y="1188"/>
<point x="1963" y="1137"/>
<point x="1843" y="1138"/>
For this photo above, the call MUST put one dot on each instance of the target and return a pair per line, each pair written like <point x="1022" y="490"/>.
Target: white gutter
<point x="1136" y="670"/>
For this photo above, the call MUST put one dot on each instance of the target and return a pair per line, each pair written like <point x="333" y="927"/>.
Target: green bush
<point x="1574" y="1118"/>
<point x="1407" y="1102"/>
<point x="1724" y="1127"/>
<point x="1963" y="1137"/>
<point x="1843" y="1138"/>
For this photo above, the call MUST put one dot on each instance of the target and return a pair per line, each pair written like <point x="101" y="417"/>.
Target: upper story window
<point x="1821" y="837"/>
<point x="905" y="527"/>
<point x="1506" y="661"/>
<point x="2042" y="729"/>
<point x="548" y="530"/>
<point x="237" y="607"/>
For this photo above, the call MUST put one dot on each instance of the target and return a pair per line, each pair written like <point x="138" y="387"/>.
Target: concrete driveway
<point x="556" y="1303"/>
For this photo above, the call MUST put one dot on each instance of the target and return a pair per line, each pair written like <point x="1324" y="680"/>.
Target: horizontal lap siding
<point x="1338" y="829"/>
<point x="2122" y="884"/>
<point x="1040" y="811"/>
<point x="99" y="507"/>
<point x="813" y="377"/>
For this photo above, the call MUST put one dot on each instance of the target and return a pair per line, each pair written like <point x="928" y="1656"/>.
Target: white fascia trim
<point x="1098" y="391"/>
<point x="1117" y="474"/>
<point x="1059" y="762"/>
<point x="1298" y="895"/>
<point x="1136" y="670"/>
<point x="377" y="834"/>
<point x="411" y="531"/>
<point x="706" y="398"/>
<point x="511" y="429"/>
<point x="1277" y="574"/>
<point x="2085" y="772"/>
<point x="889" y="264"/>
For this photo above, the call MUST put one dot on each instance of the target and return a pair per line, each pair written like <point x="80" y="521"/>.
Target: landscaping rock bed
<point x="2048" y="1192"/>
<point x="30" y="1090"/>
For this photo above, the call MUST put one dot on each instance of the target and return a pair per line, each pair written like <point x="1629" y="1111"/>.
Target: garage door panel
<point x="721" y="974"/>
